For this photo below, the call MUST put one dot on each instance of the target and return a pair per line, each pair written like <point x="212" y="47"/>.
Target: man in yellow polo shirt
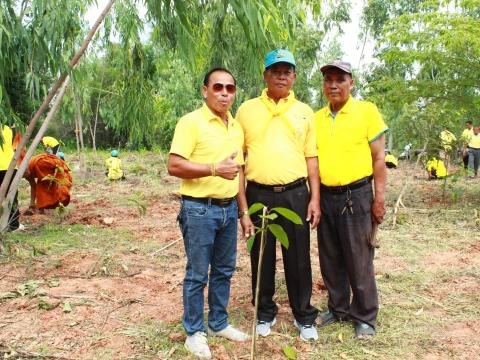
<point x="351" y="152"/>
<point x="474" y="151"/>
<point x="206" y="153"/>
<point x="466" y="134"/>
<point x="280" y="143"/>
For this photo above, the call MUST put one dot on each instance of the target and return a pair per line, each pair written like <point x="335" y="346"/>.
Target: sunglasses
<point x="231" y="89"/>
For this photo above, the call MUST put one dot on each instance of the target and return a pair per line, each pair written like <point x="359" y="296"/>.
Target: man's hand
<point x="228" y="168"/>
<point x="378" y="211"/>
<point x="247" y="226"/>
<point x="313" y="213"/>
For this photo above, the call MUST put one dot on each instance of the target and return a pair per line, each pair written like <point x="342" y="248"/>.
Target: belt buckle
<point x="278" y="189"/>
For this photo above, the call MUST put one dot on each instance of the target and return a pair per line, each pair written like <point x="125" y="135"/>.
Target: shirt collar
<point x="290" y="97"/>
<point x="345" y="109"/>
<point x="209" y="115"/>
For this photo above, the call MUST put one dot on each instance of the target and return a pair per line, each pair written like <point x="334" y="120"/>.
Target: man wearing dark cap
<point x="351" y="153"/>
<point x="280" y="143"/>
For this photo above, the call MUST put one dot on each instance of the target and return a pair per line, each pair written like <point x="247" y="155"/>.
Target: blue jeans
<point x="210" y="239"/>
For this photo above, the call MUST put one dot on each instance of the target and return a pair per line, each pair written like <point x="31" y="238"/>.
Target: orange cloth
<point x="50" y="192"/>
<point x="16" y="141"/>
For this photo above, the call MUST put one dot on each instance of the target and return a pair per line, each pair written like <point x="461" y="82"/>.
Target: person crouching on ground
<point x="50" y="181"/>
<point x="114" y="167"/>
<point x="206" y="153"/>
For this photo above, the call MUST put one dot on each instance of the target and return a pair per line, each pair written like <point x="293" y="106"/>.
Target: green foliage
<point x="290" y="352"/>
<point x="279" y="234"/>
<point x="138" y="201"/>
<point x="426" y="79"/>
<point x="275" y="229"/>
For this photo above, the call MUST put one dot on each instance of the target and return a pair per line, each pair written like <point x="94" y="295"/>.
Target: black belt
<point x="279" y="188"/>
<point x="352" y="186"/>
<point x="209" y="201"/>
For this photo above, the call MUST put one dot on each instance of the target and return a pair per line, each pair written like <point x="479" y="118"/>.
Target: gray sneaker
<point x="229" y="333"/>
<point x="197" y="344"/>
<point x="263" y="327"/>
<point x="307" y="332"/>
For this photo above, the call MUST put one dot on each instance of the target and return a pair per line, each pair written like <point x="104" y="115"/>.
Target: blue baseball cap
<point x="279" y="55"/>
<point x="114" y="153"/>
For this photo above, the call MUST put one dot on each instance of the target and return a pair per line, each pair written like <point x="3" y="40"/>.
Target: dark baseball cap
<point x="337" y="64"/>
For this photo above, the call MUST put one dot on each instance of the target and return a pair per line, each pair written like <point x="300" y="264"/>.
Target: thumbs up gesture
<point x="228" y="168"/>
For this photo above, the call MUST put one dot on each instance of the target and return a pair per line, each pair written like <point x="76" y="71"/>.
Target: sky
<point x="351" y="44"/>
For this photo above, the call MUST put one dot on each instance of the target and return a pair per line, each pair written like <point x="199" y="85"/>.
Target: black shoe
<point x="328" y="318"/>
<point x="363" y="331"/>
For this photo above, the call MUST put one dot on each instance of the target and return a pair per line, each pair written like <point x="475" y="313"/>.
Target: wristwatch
<point x="242" y="213"/>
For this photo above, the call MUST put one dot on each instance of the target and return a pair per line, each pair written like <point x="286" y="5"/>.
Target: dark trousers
<point x="346" y="259"/>
<point x="473" y="159"/>
<point x="13" y="222"/>
<point x="465" y="160"/>
<point x="296" y="260"/>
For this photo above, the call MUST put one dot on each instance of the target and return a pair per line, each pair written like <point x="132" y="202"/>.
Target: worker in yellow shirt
<point x="281" y="158"/>
<point x="436" y="169"/>
<point x="6" y="155"/>
<point x="390" y="161"/>
<point x="114" y="167"/>
<point x="50" y="144"/>
<point x="474" y="151"/>
<point x="466" y="135"/>
<point x="206" y="153"/>
<point x="351" y="153"/>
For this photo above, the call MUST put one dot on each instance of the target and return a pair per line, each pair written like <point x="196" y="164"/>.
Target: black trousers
<point x="296" y="260"/>
<point x="346" y="259"/>
<point x="13" y="219"/>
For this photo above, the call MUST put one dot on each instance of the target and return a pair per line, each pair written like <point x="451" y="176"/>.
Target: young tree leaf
<point x="270" y="216"/>
<point x="288" y="214"/>
<point x="255" y="207"/>
<point x="279" y="233"/>
<point x="290" y="352"/>
<point x="250" y="241"/>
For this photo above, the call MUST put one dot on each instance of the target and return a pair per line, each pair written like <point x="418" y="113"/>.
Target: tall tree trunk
<point x="5" y="206"/>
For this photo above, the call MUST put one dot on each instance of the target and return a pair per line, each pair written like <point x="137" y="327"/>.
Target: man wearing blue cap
<point x="282" y="156"/>
<point x="114" y="167"/>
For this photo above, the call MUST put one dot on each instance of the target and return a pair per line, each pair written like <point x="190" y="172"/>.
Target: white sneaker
<point x="197" y="344"/>
<point x="230" y="333"/>
<point x="263" y="327"/>
<point x="307" y="332"/>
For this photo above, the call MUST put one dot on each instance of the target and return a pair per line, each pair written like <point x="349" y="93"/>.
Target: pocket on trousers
<point x="199" y="210"/>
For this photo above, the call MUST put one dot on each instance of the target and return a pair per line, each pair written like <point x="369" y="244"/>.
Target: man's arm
<point x="377" y="149"/>
<point x="313" y="210"/>
<point x="180" y="167"/>
<point x="245" y="221"/>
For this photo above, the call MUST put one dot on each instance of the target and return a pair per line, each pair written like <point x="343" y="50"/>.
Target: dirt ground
<point x="120" y="295"/>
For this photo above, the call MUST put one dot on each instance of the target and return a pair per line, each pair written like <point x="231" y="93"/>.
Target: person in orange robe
<point x="51" y="180"/>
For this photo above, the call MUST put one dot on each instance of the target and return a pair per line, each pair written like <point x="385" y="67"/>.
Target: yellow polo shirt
<point x="6" y="150"/>
<point x="447" y="138"/>
<point x="202" y="137"/>
<point x="278" y="138"/>
<point x="344" y="139"/>
<point x="49" y="141"/>
<point x="466" y="134"/>
<point x="438" y="166"/>
<point x="474" y="141"/>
